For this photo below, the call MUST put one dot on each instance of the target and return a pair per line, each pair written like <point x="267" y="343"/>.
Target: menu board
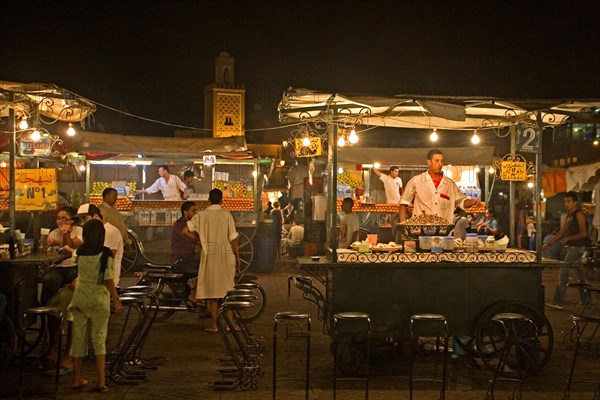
<point x="513" y="171"/>
<point x="36" y="189"/>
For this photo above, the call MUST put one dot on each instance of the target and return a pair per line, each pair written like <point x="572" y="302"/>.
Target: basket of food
<point x="423" y="225"/>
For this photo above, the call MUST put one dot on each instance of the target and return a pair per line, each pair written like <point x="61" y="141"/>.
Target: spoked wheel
<point x="533" y="350"/>
<point x="131" y="254"/>
<point x="8" y="341"/>
<point x="246" y="249"/>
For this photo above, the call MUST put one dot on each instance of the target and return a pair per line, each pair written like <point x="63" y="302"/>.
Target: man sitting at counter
<point x="432" y="193"/>
<point x="169" y="185"/>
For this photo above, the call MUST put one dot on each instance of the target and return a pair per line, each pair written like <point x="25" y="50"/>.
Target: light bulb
<point x="23" y="124"/>
<point x="285" y="143"/>
<point x="475" y="139"/>
<point x="254" y="174"/>
<point x="491" y="170"/>
<point x="306" y="142"/>
<point x="35" y="135"/>
<point x="377" y="165"/>
<point x="433" y="136"/>
<point x="530" y="185"/>
<point x="341" y="142"/>
<point x="71" y="130"/>
<point x="282" y="162"/>
<point x="596" y="143"/>
<point x="340" y="170"/>
<point x="3" y="164"/>
<point x="82" y="167"/>
<point x="477" y="169"/>
<point x="353" y="138"/>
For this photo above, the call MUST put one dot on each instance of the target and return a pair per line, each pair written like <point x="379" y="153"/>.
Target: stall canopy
<point x="407" y="111"/>
<point x="104" y="145"/>
<point x="413" y="156"/>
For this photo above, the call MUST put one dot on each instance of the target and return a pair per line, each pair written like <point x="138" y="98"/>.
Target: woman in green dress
<point x="90" y="306"/>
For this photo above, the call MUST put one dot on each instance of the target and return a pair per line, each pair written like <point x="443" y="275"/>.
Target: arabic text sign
<point x="35" y="148"/>
<point x="513" y="171"/>
<point x="312" y="150"/>
<point x="36" y="189"/>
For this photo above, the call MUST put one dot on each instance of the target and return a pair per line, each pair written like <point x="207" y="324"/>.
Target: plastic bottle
<point x="471" y="243"/>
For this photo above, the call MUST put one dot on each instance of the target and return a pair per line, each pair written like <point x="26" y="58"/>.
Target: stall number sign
<point x="513" y="171"/>
<point x="35" y="148"/>
<point x="313" y="149"/>
<point x="209" y="160"/>
<point x="35" y="189"/>
<point x="527" y="139"/>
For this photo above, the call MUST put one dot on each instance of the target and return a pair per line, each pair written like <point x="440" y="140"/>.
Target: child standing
<point x="91" y="302"/>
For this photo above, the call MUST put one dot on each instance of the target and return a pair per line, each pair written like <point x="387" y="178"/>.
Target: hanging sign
<point x="514" y="168"/>
<point x="527" y="139"/>
<point x="314" y="148"/>
<point x="36" y="189"/>
<point x="35" y="148"/>
<point x="209" y="160"/>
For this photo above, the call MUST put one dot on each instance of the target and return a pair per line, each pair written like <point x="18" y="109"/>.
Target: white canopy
<point x="407" y="111"/>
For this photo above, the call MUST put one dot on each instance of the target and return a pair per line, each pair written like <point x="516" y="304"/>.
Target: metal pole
<point x="538" y="187"/>
<point x="88" y="180"/>
<point x="331" y="218"/>
<point x="511" y="191"/>
<point x="12" y="177"/>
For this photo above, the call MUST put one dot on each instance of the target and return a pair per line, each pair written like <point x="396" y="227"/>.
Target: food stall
<point x="392" y="281"/>
<point x="131" y="162"/>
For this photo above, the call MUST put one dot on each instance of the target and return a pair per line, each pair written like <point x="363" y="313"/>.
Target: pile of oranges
<point x="380" y="208"/>
<point x="238" y="204"/>
<point x="123" y="203"/>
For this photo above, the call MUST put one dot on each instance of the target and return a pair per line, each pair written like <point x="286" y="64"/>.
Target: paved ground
<point x="192" y="352"/>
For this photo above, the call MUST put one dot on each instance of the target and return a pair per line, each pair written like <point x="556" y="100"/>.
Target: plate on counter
<point x="383" y="249"/>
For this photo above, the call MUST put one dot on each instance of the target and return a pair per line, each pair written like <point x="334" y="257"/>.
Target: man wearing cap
<point x="112" y="238"/>
<point x="169" y="185"/>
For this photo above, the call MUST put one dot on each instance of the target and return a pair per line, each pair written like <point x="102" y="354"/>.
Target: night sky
<point x="153" y="58"/>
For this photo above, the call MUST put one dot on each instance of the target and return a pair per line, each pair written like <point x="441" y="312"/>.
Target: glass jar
<point x="425" y="243"/>
<point x="471" y="243"/>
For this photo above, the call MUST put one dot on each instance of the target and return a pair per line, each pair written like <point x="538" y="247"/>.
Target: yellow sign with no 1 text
<point x="36" y="189"/>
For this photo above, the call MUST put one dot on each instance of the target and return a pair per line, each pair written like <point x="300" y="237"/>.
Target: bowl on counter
<point x="414" y="231"/>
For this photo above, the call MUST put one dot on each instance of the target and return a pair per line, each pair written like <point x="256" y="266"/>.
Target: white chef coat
<point x="170" y="190"/>
<point x="216" y="273"/>
<point x="440" y="201"/>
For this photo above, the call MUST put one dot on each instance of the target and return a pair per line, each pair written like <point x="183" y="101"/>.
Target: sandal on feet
<point x="101" y="389"/>
<point x="81" y="384"/>
<point x="211" y="330"/>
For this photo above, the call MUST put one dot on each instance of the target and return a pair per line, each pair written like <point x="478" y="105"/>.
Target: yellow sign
<point x="513" y="171"/>
<point x="313" y="149"/>
<point x="36" y="189"/>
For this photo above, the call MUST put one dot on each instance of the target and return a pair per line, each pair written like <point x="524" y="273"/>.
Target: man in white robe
<point x="220" y="257"/>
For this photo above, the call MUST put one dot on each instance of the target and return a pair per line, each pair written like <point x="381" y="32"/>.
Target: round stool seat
<point x="291" y="315"/>
<point x="584" y="318"/>
<point x="240" y="297"/>
<point x="351" y="315"/>
<point x="235" y="305"/>
<point x="246" y="285"/>
<point x="579" y="285"/>
<point x="510" y="317"/>
<point x="136" y="288"/>
<point x="136" y="294"/>
<point x="44" y="310"/>
<point x="593" y="290"/>
<point x="240" y="291"/>
<point x="428" y="317"/>
<point x="128" y="300"/>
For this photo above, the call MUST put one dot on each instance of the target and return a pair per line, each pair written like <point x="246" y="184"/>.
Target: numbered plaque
<point x="36" y="189"/>
<point x="527" y="139"/>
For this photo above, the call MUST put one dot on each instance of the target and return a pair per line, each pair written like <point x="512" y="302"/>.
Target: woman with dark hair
<point x="91" y="302"/>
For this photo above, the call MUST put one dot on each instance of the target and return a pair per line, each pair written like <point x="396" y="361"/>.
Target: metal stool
<point x="581" y="322"/>
<point x="43" y="312"/>
<point x="511" y="322"/>
<point x="287" y="317"/>
<point x="351" y="318"/>
<point x="428" y="325"/>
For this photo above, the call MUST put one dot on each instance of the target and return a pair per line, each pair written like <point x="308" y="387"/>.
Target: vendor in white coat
<point x="169" y="185"/>
<point x="432" y="193"/>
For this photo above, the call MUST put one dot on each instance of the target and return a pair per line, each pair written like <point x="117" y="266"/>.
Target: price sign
<point x="313" y="149"/>
<point x="209" y="160"/>
<point x="36" y="189"/>
<point x="527" y="139"/>
<point x="513" y="171"/>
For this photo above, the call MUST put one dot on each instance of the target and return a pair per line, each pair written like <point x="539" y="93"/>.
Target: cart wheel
<point x="130" y="254"/>
<point x="8" y="342"/>
<point x="246" y="249"/>
<point x="534" y="352"/>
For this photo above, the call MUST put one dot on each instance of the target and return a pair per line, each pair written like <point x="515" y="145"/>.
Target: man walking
<point x="220" y="257"/>
<point x="111" y="215"/>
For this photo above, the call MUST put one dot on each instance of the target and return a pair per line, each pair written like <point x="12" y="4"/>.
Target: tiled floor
<point x="192" y="352"/>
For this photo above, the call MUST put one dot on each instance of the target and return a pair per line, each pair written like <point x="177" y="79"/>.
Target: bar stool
<point x="434" y="325"/>
<point x="510" y="323"/>
<point x="42" y="312"/>
<point x="351" y="318"/>
<point x="581" y="322"/>
<point x="288" y="317"/>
